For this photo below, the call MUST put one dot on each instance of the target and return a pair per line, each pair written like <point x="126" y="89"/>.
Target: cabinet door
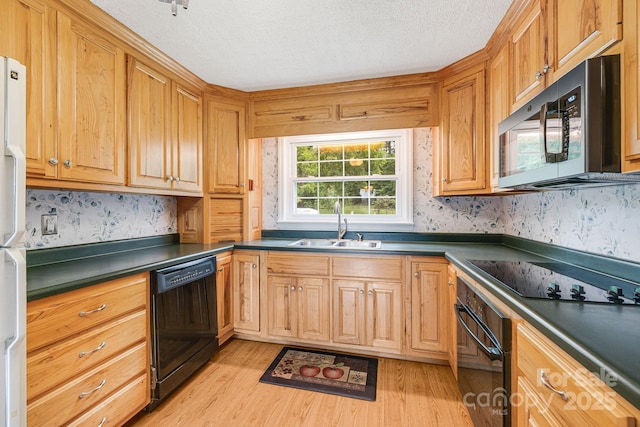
<point x="226" y="147"/>
<point x="582" y="29"/>
<point x="187" y="144"/>
<point x="149" y="110"/>
<point x="429" y="298"/>
<point x="246" y="281"/>
<point x="254" y="190"/>
<point x="452" y="320"/>
<point x="384" y="315"/>
<point x="462" y="167"/>
<point x="499" y="109"/>
<point x="92" y="102"/>
<point x="313" y="308"/>
<point x="29" y="36"/>
<point x="348" y="312"/>
<point x="631" y="93"/>
<point x="528" y="56"/>
<point x="282" y="306"/>
<point x="224" y="294"/>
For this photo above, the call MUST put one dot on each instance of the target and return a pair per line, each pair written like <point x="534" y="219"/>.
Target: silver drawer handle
<point x="86" y="313"/>
<point x="100" y="347"/>
<point x="104" y="420"/>
<point x="86" y="393"/>
<point x="543" y="380"/>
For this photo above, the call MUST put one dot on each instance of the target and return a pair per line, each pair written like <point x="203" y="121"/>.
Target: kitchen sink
<point x="334" y="243"/>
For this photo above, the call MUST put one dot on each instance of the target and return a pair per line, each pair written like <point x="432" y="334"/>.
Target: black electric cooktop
<point x="558" y="281"/>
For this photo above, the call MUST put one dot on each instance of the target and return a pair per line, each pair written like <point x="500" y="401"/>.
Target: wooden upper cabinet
<point x="226" y="144"/>
<point x="499" y="109"/>
<point x="554" y="36"/>
<point x="631" y="92"/>
<point x="529" y="63"/>
<point x="461" y="153"/>
<point x="165" y="131"/>
<point x="581" y="29"/>
<point x="28" y="28"/>
<point x="149" y="109"/>
<point x="187" y="144"/>
<point x="91" y="105"/>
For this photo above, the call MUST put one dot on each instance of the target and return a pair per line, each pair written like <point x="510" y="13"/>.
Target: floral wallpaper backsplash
<point x="97" y="217"/>
<point x="601" y="220"/>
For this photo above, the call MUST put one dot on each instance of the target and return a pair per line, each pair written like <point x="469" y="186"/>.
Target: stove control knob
<point x="636" y="295"/>
<point x="614" y="293"/>
<point x="553" y="291"/>
<point x="577" y="292"/>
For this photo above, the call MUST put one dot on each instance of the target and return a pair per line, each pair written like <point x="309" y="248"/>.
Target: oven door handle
<point x="493" y="353"/>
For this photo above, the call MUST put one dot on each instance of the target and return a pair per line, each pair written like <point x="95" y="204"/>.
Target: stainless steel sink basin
<point x="334" y="243"/>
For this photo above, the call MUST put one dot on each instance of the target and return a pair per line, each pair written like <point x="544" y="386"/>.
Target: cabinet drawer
<point x="383" y="268"/>
<point x="586" y="399"/>
<point x="119" y="407"/>
<point x="71" y="399"/>
<point x="298" y="264"/>
<point x="70" y="357"/>
<point x="54" y="318"/>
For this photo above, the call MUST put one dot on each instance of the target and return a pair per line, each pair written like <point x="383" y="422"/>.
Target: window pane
<point x="384" y="188"/>
<point x="306" y="153"/>
<point x="352" y="188"/>
<point x="330" y="189"/>
<point x="307" y="170"/>
<point x="331" y="168"/>
<point x="331" y="152"/>
<point x="307" y="207"/>
<point x="326" y="205"/>
<point x="307" y="189"/>
<point x="383" y="167"/>
<point x="383" y="206"/>
<point x="356" y="167"/>
<point x="383" y="149"/>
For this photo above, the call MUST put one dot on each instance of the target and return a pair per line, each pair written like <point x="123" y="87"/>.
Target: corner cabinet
<point x="91" y="74"/>
<point x="246" y="291"/>
<point x="165" y="131"/>
<point x="460" y="154"/>
<point x="226" y="142"/>
<point x="88" y="354"/>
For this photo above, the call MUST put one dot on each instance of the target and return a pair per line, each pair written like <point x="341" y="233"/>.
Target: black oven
<point x="484" y="358"/>
<point x="184" y="325"/>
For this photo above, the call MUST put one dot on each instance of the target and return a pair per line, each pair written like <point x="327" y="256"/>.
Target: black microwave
<point x="569" y="134"/>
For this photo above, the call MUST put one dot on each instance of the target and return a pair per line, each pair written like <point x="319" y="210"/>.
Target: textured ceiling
<point x="268" y="44"/>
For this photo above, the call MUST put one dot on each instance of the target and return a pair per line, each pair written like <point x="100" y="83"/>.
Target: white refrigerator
<point x="13" y="285"/>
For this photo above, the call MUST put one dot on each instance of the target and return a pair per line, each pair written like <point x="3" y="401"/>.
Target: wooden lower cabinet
<point x="298" y="307"/>
<point x="556" y="390"/>
<point x="88" y="354"/>
<point x="367" y="312"/>
<point x="224" y="296"/>
<point x="246" y="291"/>
<point x="429" y="306"/>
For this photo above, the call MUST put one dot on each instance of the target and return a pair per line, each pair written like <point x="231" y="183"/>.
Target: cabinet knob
<point x="177" y="179"/>
<point x="370" y="292"/>
<point x="361" y="292"/>
<point x="450" y="283"/>
<point x="254" y="266"/>
<point x="546" y="68"/>
<point x="293" y="288"/>
<point x="68" y="163"/>
<point x="242" y="184"/>
<point x="170" y="178"/>
<point x="220" y="270"/>
<point x="539" y="75"/>
<point x="300" y="288"/>
<point x="444" y="179"/>
<point x="53" y="161"/>
<point x="416" y="274"/>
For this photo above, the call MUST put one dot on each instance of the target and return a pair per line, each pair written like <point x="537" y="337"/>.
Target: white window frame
<point x="401" y="221"/>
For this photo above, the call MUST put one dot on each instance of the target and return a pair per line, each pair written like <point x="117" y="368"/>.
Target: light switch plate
<point x="49" y="224"/>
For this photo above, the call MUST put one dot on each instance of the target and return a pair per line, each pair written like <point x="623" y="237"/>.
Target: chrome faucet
<point x="341" y="231"/>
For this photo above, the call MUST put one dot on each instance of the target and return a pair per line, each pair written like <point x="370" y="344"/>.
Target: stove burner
<point x="558" y="281"/>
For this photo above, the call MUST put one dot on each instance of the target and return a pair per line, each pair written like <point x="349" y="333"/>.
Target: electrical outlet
<point x="49" y="224"/>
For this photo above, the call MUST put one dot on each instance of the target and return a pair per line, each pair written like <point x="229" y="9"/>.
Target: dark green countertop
<point x="604" y="338"/>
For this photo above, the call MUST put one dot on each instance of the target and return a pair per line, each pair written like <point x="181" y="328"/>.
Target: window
<point x="368" y="173"/>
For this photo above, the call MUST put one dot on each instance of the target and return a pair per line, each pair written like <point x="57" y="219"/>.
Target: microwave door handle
<point x="493" y="353"/>
<point x="544" y="110"/>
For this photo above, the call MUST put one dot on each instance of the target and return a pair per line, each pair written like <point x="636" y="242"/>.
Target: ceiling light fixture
<point x="175" y="3"/>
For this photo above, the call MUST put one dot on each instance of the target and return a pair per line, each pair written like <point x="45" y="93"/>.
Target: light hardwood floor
<point x="226" y="392"/>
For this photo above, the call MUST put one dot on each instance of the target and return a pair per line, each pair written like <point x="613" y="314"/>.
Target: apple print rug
<point x="335" y="373"/>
